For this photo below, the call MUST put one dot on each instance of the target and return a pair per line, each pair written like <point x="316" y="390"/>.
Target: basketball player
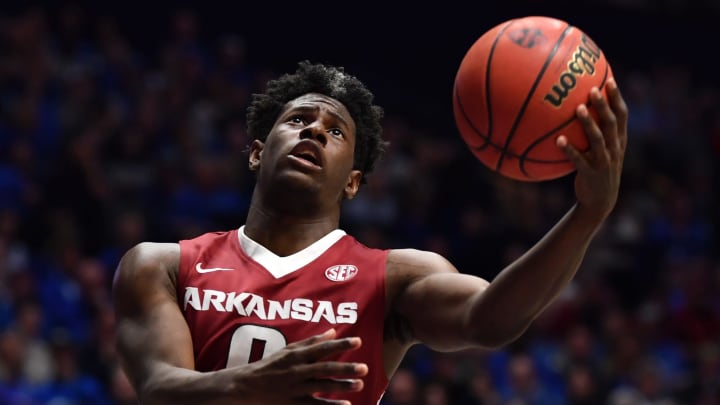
<point x="288" y="309"/>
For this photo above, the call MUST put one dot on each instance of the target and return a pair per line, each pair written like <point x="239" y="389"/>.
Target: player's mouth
<point x="307" y="154"/>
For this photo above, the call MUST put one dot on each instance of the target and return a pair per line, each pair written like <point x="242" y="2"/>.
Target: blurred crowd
<point x="103" y="146"/>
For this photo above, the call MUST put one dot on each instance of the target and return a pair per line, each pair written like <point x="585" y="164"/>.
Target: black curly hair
<point x="333" y="82"/>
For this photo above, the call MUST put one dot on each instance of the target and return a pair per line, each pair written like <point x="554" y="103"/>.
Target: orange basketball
<point x="517" y="89"/>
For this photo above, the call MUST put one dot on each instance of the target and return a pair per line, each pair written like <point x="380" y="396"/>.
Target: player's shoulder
<point x="146" y="270"/>
<point x="211" y="237"/>
<point x="209" y="241"/>
<point x="150" y="257"/>
<point x="416" y="263"/>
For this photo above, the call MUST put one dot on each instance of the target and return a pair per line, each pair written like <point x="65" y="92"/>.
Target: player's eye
<point x="337" y="132"/>
<point x="296" y="119"/>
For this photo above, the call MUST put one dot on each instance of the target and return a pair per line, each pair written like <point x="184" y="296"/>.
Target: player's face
<point x="312" y="146"/>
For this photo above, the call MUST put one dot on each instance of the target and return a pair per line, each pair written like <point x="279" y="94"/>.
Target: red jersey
<point x="243" y="302"/>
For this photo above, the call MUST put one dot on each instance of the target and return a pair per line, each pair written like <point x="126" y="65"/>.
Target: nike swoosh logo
<point x="200" y="269"/>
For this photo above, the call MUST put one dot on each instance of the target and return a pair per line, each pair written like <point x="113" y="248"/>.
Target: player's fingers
<point x="608" y="121"/>
<point x="576" y="157"/>
<point x="598" y="149"/>
<point x="617" y="102"/>
<point x="324" y="349"/>
<point x="316" y="351"/>
<point x="327" y="335"/>
<point x="330" y="368"/>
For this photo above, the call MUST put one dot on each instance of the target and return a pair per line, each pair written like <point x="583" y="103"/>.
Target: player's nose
<point x="316" y="131"/>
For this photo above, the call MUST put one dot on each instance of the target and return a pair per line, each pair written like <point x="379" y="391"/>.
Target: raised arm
<point x="450" y="311"/>
<point x="156" y="350"/>
<point x="447" y="310"/>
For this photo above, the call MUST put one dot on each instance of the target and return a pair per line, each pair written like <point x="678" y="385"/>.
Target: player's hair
<point x="333" y="82"/>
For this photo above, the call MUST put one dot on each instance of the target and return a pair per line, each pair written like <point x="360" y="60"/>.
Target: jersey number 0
<point x="251" y="343"/>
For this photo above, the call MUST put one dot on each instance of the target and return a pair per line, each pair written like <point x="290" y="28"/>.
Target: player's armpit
<point x="432" y="299"/>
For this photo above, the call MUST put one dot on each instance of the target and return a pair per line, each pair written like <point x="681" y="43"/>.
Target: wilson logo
<point x="582" y="62"/>
<point x="341" y="272"/>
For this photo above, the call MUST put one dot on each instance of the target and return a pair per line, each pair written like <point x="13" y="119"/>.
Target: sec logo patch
<point x="341" y="272"/>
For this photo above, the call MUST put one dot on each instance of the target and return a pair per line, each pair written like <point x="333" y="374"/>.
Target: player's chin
<point x="298" y="180"/>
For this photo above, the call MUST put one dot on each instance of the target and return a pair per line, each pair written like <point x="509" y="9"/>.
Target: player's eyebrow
<point x="315" y="108"/>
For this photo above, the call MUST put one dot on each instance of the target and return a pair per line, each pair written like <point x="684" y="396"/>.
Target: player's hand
<point x="599" y="169"/>
<point x="293" y="375"/>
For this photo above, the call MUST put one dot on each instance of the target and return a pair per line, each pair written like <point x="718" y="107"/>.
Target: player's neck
<point x="286" y="234"/>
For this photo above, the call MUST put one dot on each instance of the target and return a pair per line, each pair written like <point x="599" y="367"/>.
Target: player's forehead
<point x="321" y="103"/>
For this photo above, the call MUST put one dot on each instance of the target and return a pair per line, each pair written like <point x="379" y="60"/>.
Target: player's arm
<point x="152" y="336"/>
<point x="155" y="346"/>
<point x="450" y="311"/>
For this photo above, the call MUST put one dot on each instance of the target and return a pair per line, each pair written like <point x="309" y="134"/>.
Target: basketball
<point x="517" y="89"/>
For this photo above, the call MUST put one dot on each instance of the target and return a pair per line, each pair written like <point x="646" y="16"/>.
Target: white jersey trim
<point x="280" y="266"/>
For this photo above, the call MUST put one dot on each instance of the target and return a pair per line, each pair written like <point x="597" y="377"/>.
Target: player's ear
<point x="255" y="154"/>
<point x="353" y="183"/>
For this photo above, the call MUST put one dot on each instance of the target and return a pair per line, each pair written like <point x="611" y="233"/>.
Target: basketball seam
<point x="529" y="159"/>
<point x="488" y="99"/>
<point x="521" y="112"/>
<point x="488" y="107"/>
<point x="537" y="141"/>
<point x="464" y="114"/>
<point x="494" y="145"/>
<point x="498" y="147"/>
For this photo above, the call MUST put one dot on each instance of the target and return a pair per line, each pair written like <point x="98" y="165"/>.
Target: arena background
<point x="123" y="122"/>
